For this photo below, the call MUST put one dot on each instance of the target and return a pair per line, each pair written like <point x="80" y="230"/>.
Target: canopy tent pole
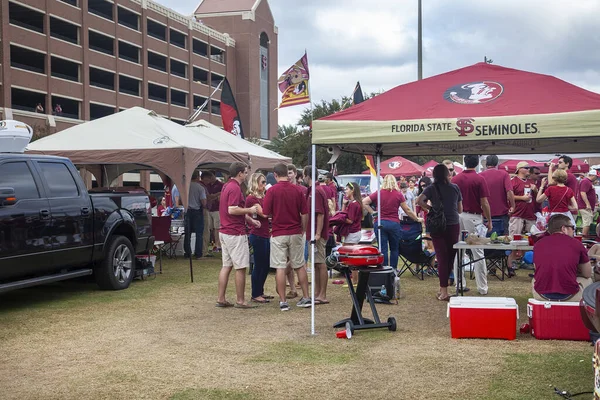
<point x="313" y="215"/>
<point x="378" y="162"/>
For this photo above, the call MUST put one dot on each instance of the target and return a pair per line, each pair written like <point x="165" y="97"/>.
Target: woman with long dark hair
<point x="449" y="195"/>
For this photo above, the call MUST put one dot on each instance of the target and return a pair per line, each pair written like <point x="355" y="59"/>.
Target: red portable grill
<point x="590" y="308"/>
<point x="364" y="259"/>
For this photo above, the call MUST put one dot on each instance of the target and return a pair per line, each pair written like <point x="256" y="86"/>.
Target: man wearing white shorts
<point x="286" y="204"/>
<point x="234" y="240"/>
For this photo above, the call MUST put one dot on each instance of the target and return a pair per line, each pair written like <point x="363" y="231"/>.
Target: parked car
<point x="52" y="228"/>
<point x="364" y="182"/>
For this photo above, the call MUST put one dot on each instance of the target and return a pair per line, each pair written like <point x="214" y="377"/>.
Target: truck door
<point x="25" y="226"/>
<point x="71" y="209"/>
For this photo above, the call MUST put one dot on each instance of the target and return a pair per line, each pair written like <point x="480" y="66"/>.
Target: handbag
<point x="436" y="219"/>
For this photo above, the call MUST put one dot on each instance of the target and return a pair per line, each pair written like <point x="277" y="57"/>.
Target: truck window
<point x="59" y="180"/>
<point x="17" y="175"/>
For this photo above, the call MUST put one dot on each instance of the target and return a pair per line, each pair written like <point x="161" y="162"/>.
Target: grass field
<point x="163" y="338"/>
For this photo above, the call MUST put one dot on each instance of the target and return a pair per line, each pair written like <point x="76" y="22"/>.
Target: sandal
<point x="223" y="304"/>
<point x="261" y="301"/>
<point x="443" y="298"/>
<point x="244" y="305"/>
<point x="268" y="297"/>
<point x="291" y="295"/>
<point x="317" y="301"/>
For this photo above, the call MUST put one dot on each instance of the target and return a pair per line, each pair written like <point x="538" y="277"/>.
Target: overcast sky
<point x="375" y="41"/>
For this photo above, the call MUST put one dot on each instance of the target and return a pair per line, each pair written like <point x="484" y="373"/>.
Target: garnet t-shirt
<point x="559" y="198"/>
<point x="320" y="208"/>
<point x="473" y="188"/>
<point x="498" y="183"/>
<point x="285" y="203"/>
<point x="355" y="214"/>
<point x="263" y="231"/>
<point x="556" y="258"/>
<point x="390" y="203"/>
<point x="586" y="186"/>
<point x="523" y="209"/>
<point x="232" y="196"/>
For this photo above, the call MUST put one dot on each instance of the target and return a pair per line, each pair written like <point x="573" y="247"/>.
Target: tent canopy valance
<point x="480" y="109"/>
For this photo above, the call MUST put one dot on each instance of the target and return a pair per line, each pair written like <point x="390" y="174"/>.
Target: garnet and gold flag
<point x="293" y="83"/>
<point x="373" y="185"/>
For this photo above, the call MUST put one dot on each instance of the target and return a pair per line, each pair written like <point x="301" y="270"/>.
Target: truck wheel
<point x="117" y="269"/>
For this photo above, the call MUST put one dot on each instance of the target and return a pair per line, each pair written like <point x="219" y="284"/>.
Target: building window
<point x="102" y="79"/>
<point x="71" y="2"/>
<point x="178" y="69"/>
<point x="178" y="98"/>
<point x="25" y="17"/>
<point x="200" y="48"/>
<point x="102" y="43"/>
<point x="199" y="101"/>
<point x="64" y="30"/>
<point x="157" y="61"/>
<point x="102" y="8"/>
<point x="157" y="31"/>
<point x="129" y="52"/>
<point x="27" y="59"/>
<point x="215" y="79"/>
<point x="99" y="111"/>
<point x="215" y="107"/>
<point x="217" y="54"/>
<point x="64" y="69"/>
<point x="129" y="85"/>
<point x="69" y="108"/>
<point x="26" y="100"/>
<point x="177" y="38"/>
<point x="128" y="18"/>
<point x="200" y="75"/>
<point x="157" y="93"/>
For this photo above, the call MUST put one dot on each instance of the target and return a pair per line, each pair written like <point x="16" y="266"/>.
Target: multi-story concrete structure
<point x="69" y="61"/>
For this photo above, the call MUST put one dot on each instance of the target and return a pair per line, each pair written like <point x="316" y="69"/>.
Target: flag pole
<point x="198" y="110"/>
<point x="351" y="97"/>
<point x="313" y="190"/>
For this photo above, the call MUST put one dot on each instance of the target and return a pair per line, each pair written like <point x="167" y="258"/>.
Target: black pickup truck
<point x="52" y="228"/>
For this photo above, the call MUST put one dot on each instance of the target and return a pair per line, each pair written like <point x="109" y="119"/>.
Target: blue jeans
<point x="262" y="262"/>
<point x="194" y="222"/>
<point x="390" y="236"/>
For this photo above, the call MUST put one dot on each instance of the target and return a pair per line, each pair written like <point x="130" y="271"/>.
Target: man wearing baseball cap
<point x="525" y="192"/>
<point x="586" y="200"/>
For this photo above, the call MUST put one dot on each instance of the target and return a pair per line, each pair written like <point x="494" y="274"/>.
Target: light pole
<point x="420" y="44"/>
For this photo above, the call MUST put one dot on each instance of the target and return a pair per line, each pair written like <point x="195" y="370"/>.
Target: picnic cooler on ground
<point x="560" y="320"/>
<point x="359" y="255"/>
<point x="483" y="317"/>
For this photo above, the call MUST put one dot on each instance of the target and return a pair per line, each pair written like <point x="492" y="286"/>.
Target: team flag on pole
<point x="293" y="83"/>
<point x="229" y="112"/>
<point x="358" y="97"/>
<point x="373" y="185"/>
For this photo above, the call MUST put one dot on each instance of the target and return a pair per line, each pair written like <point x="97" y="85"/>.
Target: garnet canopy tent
<point x="578" y="167"/>
<point x="479" y="109"/>
<point x="430" y="165"/>
<point x="399" y="166"/>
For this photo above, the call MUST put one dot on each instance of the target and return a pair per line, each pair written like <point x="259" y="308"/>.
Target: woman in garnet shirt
<point x="389" y="222"/>
<point x="354" y="210"/>
<point x="259" y="239"/>
<point x="561" y="199"/>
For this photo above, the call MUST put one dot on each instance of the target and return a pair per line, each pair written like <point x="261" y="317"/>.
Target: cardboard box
<point x="559" y="320"/>
<point x="483" y="317"/>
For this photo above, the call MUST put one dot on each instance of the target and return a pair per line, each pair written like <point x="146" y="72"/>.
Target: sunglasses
<point x="536" y="173"/>
<point x="450" y="169"/>
<point x="263" y="182"/>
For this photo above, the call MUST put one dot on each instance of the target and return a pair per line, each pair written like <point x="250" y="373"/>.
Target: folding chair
<point x="161" y="230"/>
<point x="177" y="233"/>
<point x="497" y="259"/>
<point x="413" y="257"/>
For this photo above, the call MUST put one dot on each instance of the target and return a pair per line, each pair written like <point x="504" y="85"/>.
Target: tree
<point x="40" y="131"/>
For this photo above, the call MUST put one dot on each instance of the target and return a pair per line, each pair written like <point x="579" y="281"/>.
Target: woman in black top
<point x="443" y="242"/>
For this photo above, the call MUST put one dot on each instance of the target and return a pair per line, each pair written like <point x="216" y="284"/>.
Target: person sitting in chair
<point x="562" y="266"/>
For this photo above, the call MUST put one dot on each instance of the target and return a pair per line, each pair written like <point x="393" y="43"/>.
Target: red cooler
<point x="360" y="256"/>
<point x="483" y="317"/>
<point x="559" y="320"/>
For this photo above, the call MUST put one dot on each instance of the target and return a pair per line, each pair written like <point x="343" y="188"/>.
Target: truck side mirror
<point x="7" y="196"/>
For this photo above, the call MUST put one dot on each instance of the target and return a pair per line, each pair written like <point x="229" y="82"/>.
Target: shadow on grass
<point x="534" y="376"/>
<point x="213" y="394"/>
<point x="303" y="353"/>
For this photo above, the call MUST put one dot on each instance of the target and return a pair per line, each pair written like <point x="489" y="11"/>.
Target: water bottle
<point x="383" y="291"/>
<point x="396" y="287"/>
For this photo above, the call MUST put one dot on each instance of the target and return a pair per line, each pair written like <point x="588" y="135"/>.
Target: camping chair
<point x="497" y="259"/>
<point x="413" y="257"/>
<point x="161" y="230"/>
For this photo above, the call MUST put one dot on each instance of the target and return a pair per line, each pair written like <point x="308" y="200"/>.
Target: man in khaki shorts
<point x="287" y="206"/>
<point x="321" y="235"/>
<point x="234" y="240"/>
<point x="586" y="200"/>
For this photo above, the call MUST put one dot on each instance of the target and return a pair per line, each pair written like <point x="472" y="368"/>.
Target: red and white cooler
<point x="483" y="317"/>
<point x="558" y="320"/>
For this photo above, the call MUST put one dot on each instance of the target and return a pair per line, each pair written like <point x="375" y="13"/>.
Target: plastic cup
<point x="530" y="239"/>
<point x="341" y="334"/>
<point x="579" y="237"/>
<point x="518" y="237"/>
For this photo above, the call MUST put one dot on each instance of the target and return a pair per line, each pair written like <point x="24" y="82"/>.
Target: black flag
<point x="229" y="112"/>
<point x="358" y="97"/>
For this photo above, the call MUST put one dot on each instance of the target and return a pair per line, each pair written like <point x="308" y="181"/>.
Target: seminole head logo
<point x="395" y="164"/>
<point x="474" y="92"/>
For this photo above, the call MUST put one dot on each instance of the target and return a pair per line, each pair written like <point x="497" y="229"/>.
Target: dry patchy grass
<point x="164" y="339"/>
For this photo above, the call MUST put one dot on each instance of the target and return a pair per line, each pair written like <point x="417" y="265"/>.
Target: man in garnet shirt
<point x="525" y="192"/>
<point x="292" y="174"/>
<point x="287" y="206"/>
<point x="565" y="163"/>
<point x="475" y="194"/>
<point x="586" y="200"/>
<point x="234" y="240"/>
<point x="321" y="234"/>
<point x="562" y="266"/>
<point x="501" y="199"/>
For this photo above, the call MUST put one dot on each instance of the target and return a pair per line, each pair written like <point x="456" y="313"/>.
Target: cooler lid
<point x="358" y="250"/>
<point x="482" y="302"/>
